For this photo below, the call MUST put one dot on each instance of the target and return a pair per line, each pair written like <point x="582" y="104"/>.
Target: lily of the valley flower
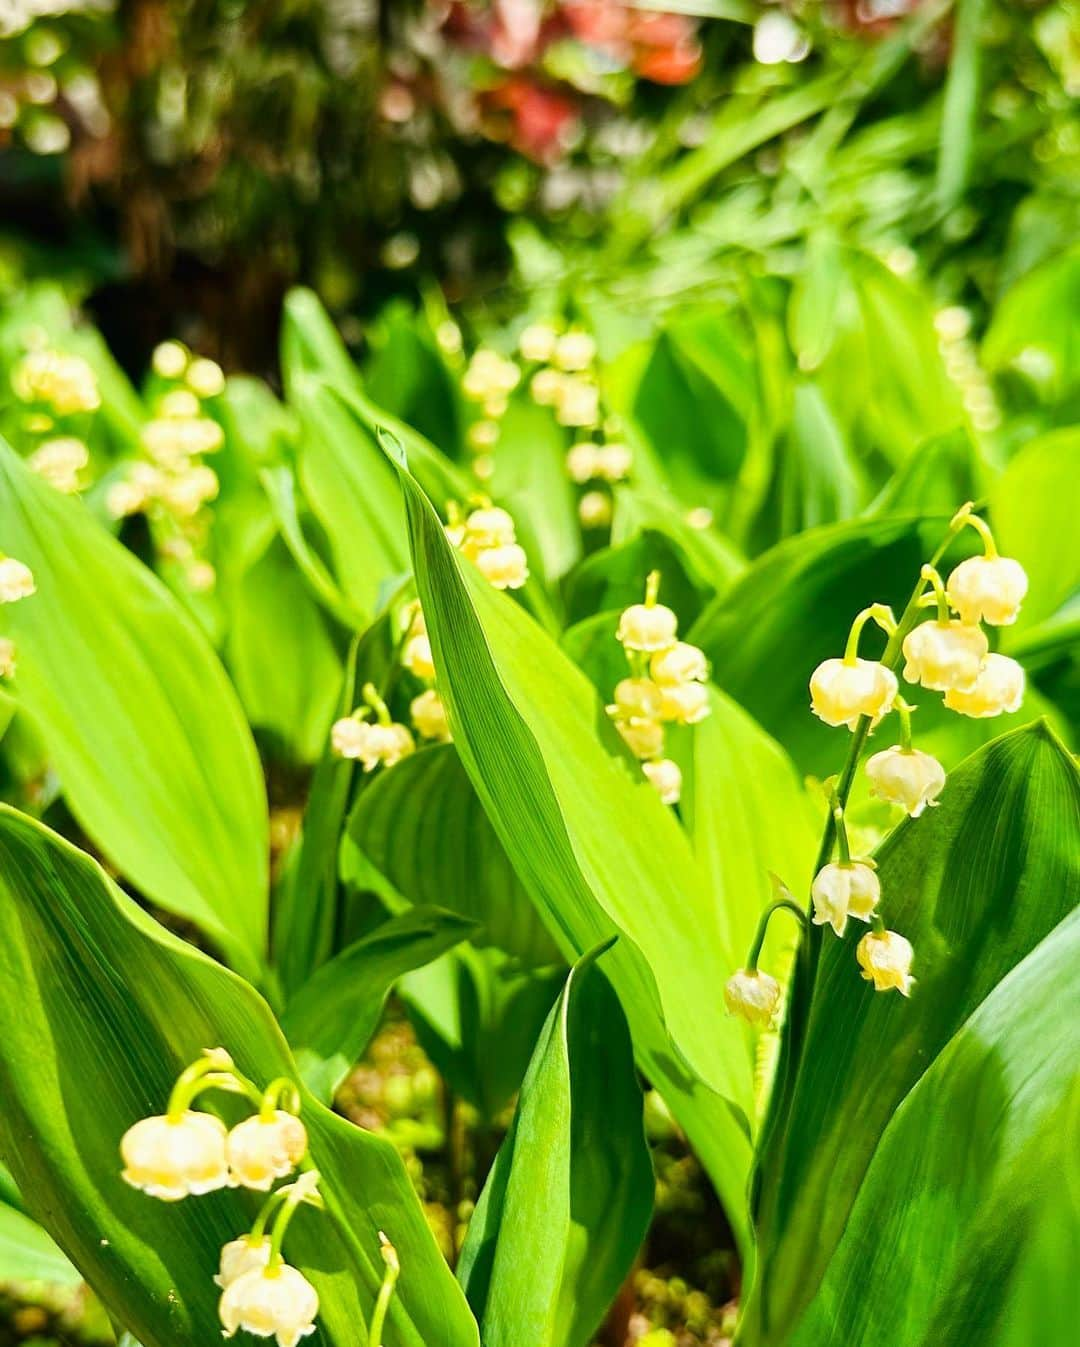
<point x="504" y="567"/>
<point x="844" y="889"/>
<point x="272" y="1301"/>
<point x="537" y="342"/>
<point x="417" y="657"/>
<point x="686" y="704"/>
<point x="842" y="691"/>
<point x="262" y="1149"/>
<point x="944" y="655"/>
<point x="7" y="658"/>
<point x="907" y="777"/>
<point x="647" y="627"/>
<point x="644" y="738"/>
<point x="574" y="351"/>
<point x="370" y="744"/>
<point x="752" y="995"/>
<point x="171" y="1157"/>
<point x="987" y="589"/>
<point x="885" y="958"/>
<point x="242" y="1255"/>
<point x="682" y="663"/>
<point x="16" y="580"/>
<point x="428" y="712"/>
<point x="666" y="779"/>
<point x="60" y="461"/>
<point x="999" y="687"/>
<point x="489" y="526"/>
<point x="636" y="697"/>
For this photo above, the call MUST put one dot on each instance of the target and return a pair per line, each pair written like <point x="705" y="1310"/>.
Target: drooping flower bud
<point x="582" y="462"/>
<point x="844" y="889"/>
<point x="428" y="713"/>
<point x="242" y="1255"/>
<point x="987" y="589"/>
<point x="16" y="580"/>
<point x="842" y="692"/>
<point x="260" y="1150"/>
<point x="574" y="351"/>
<point x="169" y="360"/>
<point x="7" y="658"/>
<point x="386" y="744"/>
<point x="753" y="996"/>
<point x="613" y="462"/>
<point x="488" y="527"/>
<point x="60" y="461"/>
<point x="885" y="958"/>
<point x="205" y="378"/>
<point x="666" y="779"/>
<point x="999" y="687"/>
<point x="417" y="657"/>
<point x="644" y="738"/>
<point x="169" y="1157"/>
<point x="683" y="663"/>
<point x="944" y="655"/>
<point x="685" y="705"/>
<point x="270" y="1302"/>
<point x="577" y="402"/>
<point x="907" y="777"/>
<point x="636" y="697"/>
<point x="546" y="387"/>
<point x="594" y="510"/>
<point x="504" y="567"/>
<point x="348" y="737"/>
<point x="537" y="342"/>
<point x="647" y="627"/>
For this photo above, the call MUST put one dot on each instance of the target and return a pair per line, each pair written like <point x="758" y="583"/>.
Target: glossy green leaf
<point x="331" y="1019"/>
<point x="145" y="732"/>
<point x="965" y="1181"/>
<point x="422" y="825"/>
<point x="568" y="1200"/>
<point x="975" y="885"/>
<point x="596" y="850"/>
<point x="87" y="978"/>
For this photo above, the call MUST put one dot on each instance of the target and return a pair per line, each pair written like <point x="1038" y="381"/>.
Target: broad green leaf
<point x="330" y="1021"/>
<point x="975" y="885"/>
<point x="1035" y="326"/>
<point x="614" y="577"/>
<point x="422" y="825"/>
<point x="27" y="1253"/>
<point x="100" y="1008"/>
<point x="568" y="1200"/>
<point x="940" y="475"/>
<point x="1033" y="510"/>
<point x="596" y="850"/>
<point x="968" y="1180"/>
<point x="531" y="481"/>
<point x="711" y="560"/>
<point x="144" y="730"/>
<point x="815" y="297"/>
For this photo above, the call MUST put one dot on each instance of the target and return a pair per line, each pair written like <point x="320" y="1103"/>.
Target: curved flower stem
<point x="298" y="1192"/>
<point x="282" y="1093"/>
<point x="904" y="709"/>
<point x="789" y="905"/>
<point x="386" y="1291"/>
<point x="880" y="613"/>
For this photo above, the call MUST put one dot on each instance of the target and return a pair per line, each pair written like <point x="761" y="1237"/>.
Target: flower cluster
<point x="566" y="377"/>
<point x="173" y="486"/>
<point x="598" y="465"/>
<point x="489" y="380"/>
<point x="486" y="535"/>
<point x="188" y="1152"/>
<point x="60" y="462"/>
<point x="667" y="684"/>
<point x="16" y="582"/>
<point x="427" y="711"/>
<point x="63" y="384"/>
<point x="949" y="653"/>
<point x="372" y="742"/>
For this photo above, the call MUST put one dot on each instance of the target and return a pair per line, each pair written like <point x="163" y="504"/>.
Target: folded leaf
<point x="332" y="1018"/>
<point x="145" y="732"/>
<point x="569" y="1198"/>
<point x="596" y="850"/>
<point x="100" y="1008"/>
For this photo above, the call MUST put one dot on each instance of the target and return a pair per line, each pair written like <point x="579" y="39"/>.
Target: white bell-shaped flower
<point x="537" y="342"/>
<point x="666" y="779"/>
<point x="504" y="567"/>
<point x="16" y="580"/>
<point x="490" y="526"/>
<point x="636" y="697"/>
<point x="242" y="1255"/>
<point x="907" y="777"/>
<point x="687" y="704"/>
<point x="885" y="958"/>
<point x="999" y="687"/>
<point x="682" y="663"/>
<point x="753" y="996"/>
<point x="644" y="738"/>
<point x="417" y="657"/>
<point x="428" y="712"/>
<point x="7" y="658"/>
<point x="582" y="462"/>
<point x="172" y="1157"/>
<point x="614" y="461"/>
<point x="647" y="627"/>
<point x="574" y="351"/>
<point x="271" y="1302"/>
<point x="842" y="692"/>
<point x="349" y="737"/>
<point x="987" y="589"/>
<point x="844" y="889"/>
<point x="260" y="1150"/>
<point x="944" y="655"/>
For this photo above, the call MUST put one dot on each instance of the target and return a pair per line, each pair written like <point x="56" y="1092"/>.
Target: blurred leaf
<point x="941" y="474"/>
<point x="406" y="374"/>
<point x="27" y="1253"/>
<point x="960" y="110"/>
<point x="1033" y="509"/>
<point x="331" y="1019"/>
<point x="144" y="729"/>
<point x="614" y="577"/>
<point x="815" y="297"/>
<point x="477" y="1014"/>
<point x="532" y="483"/>
<point x="88" y="980"/>
<point x="975" y="886"/>
<point x="589" y="839"/>
<point x="422" y="825"/>
<point x="568" y="1201"/>
<point x="711" y="560"/>
<point x="1035" y="326"/>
